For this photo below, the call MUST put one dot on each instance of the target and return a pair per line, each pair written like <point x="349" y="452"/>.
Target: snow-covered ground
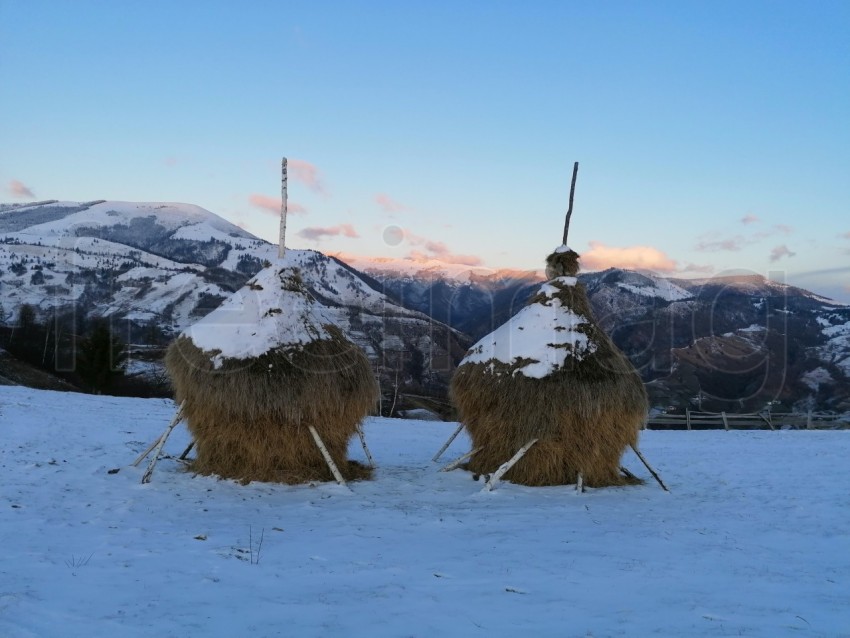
<point x="754" y="539"/>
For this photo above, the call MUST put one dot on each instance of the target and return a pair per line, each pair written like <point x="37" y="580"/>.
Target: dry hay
<point x="584" y="414"/>
<point x="250" y="417"/>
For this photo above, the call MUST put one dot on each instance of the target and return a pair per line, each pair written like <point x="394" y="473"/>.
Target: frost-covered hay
<point x="574" y="391"/>
<point x="250" y="417"/>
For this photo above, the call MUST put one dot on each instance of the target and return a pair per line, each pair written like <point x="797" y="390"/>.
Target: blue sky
<point x="712" y="136"/>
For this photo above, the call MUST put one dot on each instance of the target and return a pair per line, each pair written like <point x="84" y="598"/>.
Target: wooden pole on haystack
<point x="281" y="249"/>
<point x="570" y="209"/>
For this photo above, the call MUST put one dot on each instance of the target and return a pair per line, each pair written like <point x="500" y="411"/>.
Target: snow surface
<point x="261" y="316"/>
<point x="740" y="547"/>
<point x="537" y="333"/>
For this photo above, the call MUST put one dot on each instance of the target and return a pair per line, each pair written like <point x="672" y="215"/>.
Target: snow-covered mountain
<point x="723" y="343"/>
<point x="159" y="267"/>
<point x="155" y="268"/>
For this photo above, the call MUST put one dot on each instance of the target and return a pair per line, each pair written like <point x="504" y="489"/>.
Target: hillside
<point x="739" y="547"/>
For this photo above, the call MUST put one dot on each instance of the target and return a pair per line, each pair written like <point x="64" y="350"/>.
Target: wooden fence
<point x="755" y="421"/>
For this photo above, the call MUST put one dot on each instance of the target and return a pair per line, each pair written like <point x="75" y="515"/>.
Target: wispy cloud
<point x="308" y="174"/>
<point x="845" y="235"/>
<point x="708" y="244"/>
<point x="271" y="205"/>
<point x="783" y="229"/>
<point x="601" y="256"/>
<point x="779" y="252"/>
<point x="750" y="219"/>
<point x="318" y="233"/>
<point x="18" y="189"/>
<point x="388" y="204"/>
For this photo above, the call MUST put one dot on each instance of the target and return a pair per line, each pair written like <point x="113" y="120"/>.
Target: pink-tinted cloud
<point x="779" y="252"/>
<point x="317" y="233"/>
<point x="783" y="229"/>
<point x="601" y="256"/>
<point x="389" y="204"/>
<point x="272" y="204"/>
<point x="306" y="173"/>
<point x="170" y="161"/>
<point x="750" y="219"/>
<point x="845" y="235"/>
<point x="427" y="249"/>
<point x="19" y="189"/>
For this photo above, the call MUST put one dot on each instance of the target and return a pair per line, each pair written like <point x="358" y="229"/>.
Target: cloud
<point x="170" y="161"/>
<point x="750" y="219"/>
<point x="317" y="233"/>
<point x="19" y="189"/>
<point x="307" y="174"/>
<point x="389" y="204"/>
<point x="845" y="235"/>
<point x="783" y="229"/>
<point x="731" y="244"/>
<point x="431" y="249"/>
<point x="601" y="256"/>
<point x="272" y="204"/>
<point x="779" y="252"/>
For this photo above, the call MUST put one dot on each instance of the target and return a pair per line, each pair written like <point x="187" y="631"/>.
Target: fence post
<point x="725" y="421"/>
<point x="688" y="418"/>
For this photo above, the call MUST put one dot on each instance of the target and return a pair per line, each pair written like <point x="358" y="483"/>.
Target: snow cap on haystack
<point x="261" y="369"/>
<point x="550" y="373"/>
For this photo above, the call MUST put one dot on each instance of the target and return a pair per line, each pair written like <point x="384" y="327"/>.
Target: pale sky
<point x="712" y="136"/>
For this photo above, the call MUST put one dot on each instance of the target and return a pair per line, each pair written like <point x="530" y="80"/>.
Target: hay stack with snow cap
<point x="259" y="371"/>
<point x="551" y="374"/>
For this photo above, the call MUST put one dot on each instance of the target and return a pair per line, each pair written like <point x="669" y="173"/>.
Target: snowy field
<point x="754" y="539"/>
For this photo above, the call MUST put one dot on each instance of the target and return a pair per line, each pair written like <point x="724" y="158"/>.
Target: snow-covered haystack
<point x="256" y="373"/>
<point x="551" y="374"/>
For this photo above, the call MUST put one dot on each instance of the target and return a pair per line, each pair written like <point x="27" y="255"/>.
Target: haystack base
<point x="494" y="480"/>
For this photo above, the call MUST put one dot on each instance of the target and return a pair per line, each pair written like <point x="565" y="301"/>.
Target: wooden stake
<point x="651" y="471"/>
<point x="456" y="463"/>
<point x="447" y="443"/>
<point x="725" y="421"/>
<point x="626" y="473"/>
<point x="570" y="209"/>
<point x="688" y="418"/>
<point x="365" y="447"/>
<point x="498" y="474"/>
<point x="767" y="420"/>
<point x="187" y="450"/>
<point x="580" y="483"/>
<point x="177" y="418"/>
<point x="334" y="469"/>
<point x="281" y="249"/>
<point x="146" y="477"/>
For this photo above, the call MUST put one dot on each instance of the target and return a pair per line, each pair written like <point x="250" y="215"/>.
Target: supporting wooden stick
<point x="146" y="477"/>
<point x="334" y="469"/>
<point x="175" y="421"/>
<point x="725" y="421"/>
<point x="651" y="471"/>
<point x="365" y="447"/>
<point x="187" y="450"/>
<point x="570" y="209"/>
<point x="146" y="452"/>
<point x="498" y="474"/>
<point x="626" y="473"/>
<point x="450" y="466"/>
<point x="580" y="483"/>
<point x="448" y="443"/>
